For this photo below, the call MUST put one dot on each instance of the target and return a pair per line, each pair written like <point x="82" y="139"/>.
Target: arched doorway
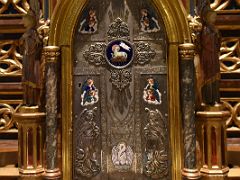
<point x="130" y="102"/>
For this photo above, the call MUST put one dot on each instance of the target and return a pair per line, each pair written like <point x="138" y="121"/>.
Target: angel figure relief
<point x="87" y="163"/>
<point x="89" y="24"/>
<point x="89" y="92"/>
<point x="155" y="133"/>
<point x="148" y="22"/>
<point x="151" y="93"/>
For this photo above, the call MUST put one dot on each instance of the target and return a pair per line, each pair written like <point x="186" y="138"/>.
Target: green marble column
<point x="51" y="54"/>
<point x="187" y="76"/>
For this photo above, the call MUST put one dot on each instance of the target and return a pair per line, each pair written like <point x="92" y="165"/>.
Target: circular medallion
<point x="119" y="53"/>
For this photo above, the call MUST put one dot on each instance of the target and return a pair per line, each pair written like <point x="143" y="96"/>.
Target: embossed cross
<point x="140" y="53"/>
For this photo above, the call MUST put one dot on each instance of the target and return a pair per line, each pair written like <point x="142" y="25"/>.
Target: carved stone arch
<point x="62" y="30"/>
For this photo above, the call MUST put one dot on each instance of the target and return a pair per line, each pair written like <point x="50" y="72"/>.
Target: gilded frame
<point x="63" y="24"/>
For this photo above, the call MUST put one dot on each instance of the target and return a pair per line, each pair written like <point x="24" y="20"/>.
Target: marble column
<point x="187" y="71"/>
<point x="51" y="54"/>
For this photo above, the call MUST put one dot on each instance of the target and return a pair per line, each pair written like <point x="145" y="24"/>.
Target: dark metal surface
<point x="122" y="144"/>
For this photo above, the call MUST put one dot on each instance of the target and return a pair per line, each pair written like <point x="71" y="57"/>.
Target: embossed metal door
<point x="120" y="102"/>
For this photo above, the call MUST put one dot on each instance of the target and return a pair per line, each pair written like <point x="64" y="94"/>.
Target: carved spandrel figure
<point x="86" y="159"/>
<point x="31" y="48"/>
<point x="156" y="160"/>
<point x="210" y="47"/>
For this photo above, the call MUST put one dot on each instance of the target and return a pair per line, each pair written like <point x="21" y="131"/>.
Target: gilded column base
<point x="212" y="122"/>
<point x="31" y="177"/>
<point x="191" y="174"/>
<point x="53" y="174"/>
<point x="30" y="170"/>
<point x="215" y="175"/>
<point x="30" y="141"/>
<point x="216" y="172"/>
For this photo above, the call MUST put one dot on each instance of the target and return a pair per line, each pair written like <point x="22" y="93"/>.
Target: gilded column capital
<point x="195" y="27"/>
<point x="187" y="51"/>
<point x="51" y="53"/>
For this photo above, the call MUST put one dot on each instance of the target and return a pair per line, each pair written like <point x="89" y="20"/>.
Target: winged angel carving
<point x="155" y="133"/>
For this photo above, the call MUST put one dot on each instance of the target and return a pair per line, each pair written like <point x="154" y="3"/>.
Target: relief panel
<point x="87" y="125"/>
<point x="120" y="128"/>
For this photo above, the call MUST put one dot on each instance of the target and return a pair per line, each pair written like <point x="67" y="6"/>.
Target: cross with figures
<point x="119" y="54"/>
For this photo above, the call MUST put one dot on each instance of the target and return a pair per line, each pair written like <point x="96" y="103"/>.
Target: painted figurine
<point x="89" y="24"/>
<point x="210" y="48"/>
<point x="89" y="94"/>
<point x="151" y="92"/>
<point x="148" y="23"/>
<point x="32" y="48"/>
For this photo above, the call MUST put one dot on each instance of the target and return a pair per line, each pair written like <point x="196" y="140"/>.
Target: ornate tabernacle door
<point x="120" y="88"/>
<point x="120" y="93"/>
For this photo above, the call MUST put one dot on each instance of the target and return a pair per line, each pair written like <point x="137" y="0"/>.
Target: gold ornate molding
<point x="233" y="106"/>
<point x="219" y="5"/>
<point x="43" y="31"/>
<point x="10" y="59"/>
<point x="230" y="55"/>
<point x="187" y="51"/>
<point x="6" y="113"/>
<point x="195" y="27"/>
<point x="20" y="6"/>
